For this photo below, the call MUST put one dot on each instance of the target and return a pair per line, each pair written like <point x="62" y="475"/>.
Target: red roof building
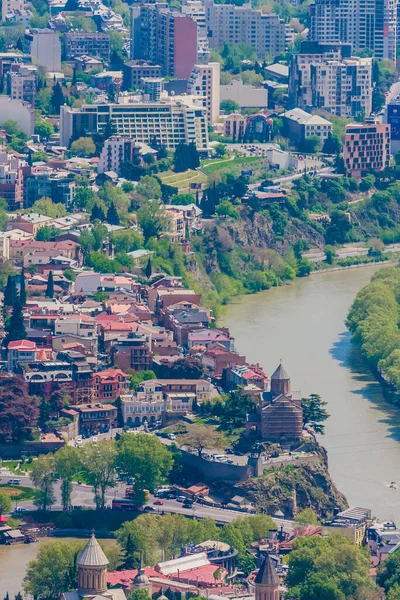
<point x="110" y="384"/>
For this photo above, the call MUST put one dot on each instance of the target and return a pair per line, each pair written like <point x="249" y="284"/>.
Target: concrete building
<point x="118" y="149"/>
<point x="392" y="117"/>
<point x="235" y="126"/>
<point x="19" y="111"/>
<point x="11" y="179"/>
<point x="204" y="81"/>
<point x="196" y="10"/>
<point x="110" y="384"/>
<point x="45" y="46"/>
<point x="165" y="37"/>
<point x="181" y="119"/>
<point x="47" y="183"/>
<point x="366" y="148"/>
<point x="19" y="352"/>
<point x="327" y="76"/>
<point x="136" y="70"/>
<point x="9" y="6"/>
<point x="153" y="88"/>
<point x="246" y="96"/>
<point x="365" y="24"/>
<point x="300" y="125"/>
<point x="92" y="44"/>
<point x="21" y="85"/>
<point x="231" y="24"/>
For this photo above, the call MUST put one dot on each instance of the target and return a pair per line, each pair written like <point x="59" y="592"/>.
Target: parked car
<point x="158" y="502"/>
<point x="187" y="504"/>
<point x="14" y="482"/>
<point x="181" y="498"/>
<point x="171" y="436"/>
<point x="148" y="508"/>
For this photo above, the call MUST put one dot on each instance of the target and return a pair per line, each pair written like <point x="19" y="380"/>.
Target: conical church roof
<point x="267" y="574"/>
<point x="280" y="373"/>
<point x="92" y="555"/>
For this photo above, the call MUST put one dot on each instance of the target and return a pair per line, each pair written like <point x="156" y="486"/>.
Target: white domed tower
<point x="280" y="381"/>
<point x="267" y="581"/>
<point x="92" y="569"/>
<point x="141" y="581"/>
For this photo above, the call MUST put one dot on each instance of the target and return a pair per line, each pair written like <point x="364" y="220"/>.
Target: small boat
<point x="393" y="485"/>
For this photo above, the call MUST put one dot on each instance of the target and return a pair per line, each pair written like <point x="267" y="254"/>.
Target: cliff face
<point x="290" y="489"/>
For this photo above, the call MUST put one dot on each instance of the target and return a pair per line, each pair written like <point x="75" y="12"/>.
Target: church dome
<point x="92" y="555"/>
<point x="141" y="578"/>
<point x="280" y="373"/>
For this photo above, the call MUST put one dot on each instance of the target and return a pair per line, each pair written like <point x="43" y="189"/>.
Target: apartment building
<point x="246" y="96"/>
<point x="117" y="150"/>
<point x="11" y="180"/>
<point x="21" y="84"/>
<point x="366" y="148"/>
<point x="392" y="117"/>
<point x="165" y="37"/>
<point x="300" y="125"/>
<point x="45" y="182"/>
<point x="110" y="384"/>
<point x="195" y="10"/>
<point x="136" y="70"/>
<point x="92" y="44"/>
<point x="44" y="45"/>
<point x="365" y="24"/>
<point x="204" y="82"/>
<point x="8" y="6"/>
<point x="327" y="76"/>
<point x="177" y="120"/>
<point x="231" y="24"/>
<point x="235" y="126"/>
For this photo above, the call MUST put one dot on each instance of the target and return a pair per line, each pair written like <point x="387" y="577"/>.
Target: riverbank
<point x="363" y="431"/>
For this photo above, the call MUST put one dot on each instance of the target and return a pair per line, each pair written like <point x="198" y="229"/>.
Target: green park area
<point x="183" y="180"/>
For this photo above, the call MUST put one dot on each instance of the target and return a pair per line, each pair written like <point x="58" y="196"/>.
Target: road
<point x="347" y="251"/>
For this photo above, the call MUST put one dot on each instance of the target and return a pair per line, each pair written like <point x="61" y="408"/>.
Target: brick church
<point x="279" y="415"/>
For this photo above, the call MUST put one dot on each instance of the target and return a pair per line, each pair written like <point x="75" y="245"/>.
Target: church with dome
<point x="279" y="415"/>
<point x="92" y="576"/>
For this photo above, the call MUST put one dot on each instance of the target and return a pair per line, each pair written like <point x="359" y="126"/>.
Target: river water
<point x="303" y="324"/>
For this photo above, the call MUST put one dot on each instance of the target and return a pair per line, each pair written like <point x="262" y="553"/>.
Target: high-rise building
<point x="392" y="117"/>
<point x="21" y="84"/>
<point x="44" y="182"/>
<point x="204" y="81"/>
<point x="178" y="120"/>
<point x="365" y="24"/>
<point x="366" y="148"/>
<point x="166" y="37"/>
<point x="327" y="76"/>
<point x="136" y="70"/>
<point x="152" y="88"/>
<point x="231" y="24"/>
<point x="45" y="46"/>
<point x="196" y="10"/>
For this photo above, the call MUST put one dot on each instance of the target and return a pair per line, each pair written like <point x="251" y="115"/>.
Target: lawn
<point x="12" y="465"/>
<point x="183" y="180"/>
<point x="236" y="165"/>
<point x="20" y="492"/>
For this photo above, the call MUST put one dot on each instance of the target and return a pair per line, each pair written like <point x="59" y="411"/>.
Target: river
<point x="303" y="324"/>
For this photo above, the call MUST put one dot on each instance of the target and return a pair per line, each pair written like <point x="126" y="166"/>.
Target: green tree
<point x="139" y="595"/>
<point x="314" y="412"/>
<point x="66" y="464"/>
<point x="332" y="144"/>
<point x="45" y="206"/>
<point x="146" y="459"/>
<point x="152" y="219"/>
<point x="229" y="106"/>
<point x="149" y="188"/>
<point x="10" y="293"/>
<point x="200" y="437"/>
<point x="57" y="98"/>
<point x="15" y="327"/>
<point x="84" y="198"/>
<point x="149" y="269"/>
<point x="46" y="233"/>
<point x="112" y="215"/>
<point x="50" y="286"/>
<point x="22" y="291"/>
<point x="311" y="144"/>
<point x="182" y="199"/>
<point x="307" y="516"/>
<point x="126" y="240"/>
<point x="5" y="503"/>
<point x="83" y="146"/>
<point x="44" y="128"/>
<point x="330" y="253"/>
<point x="53" y="571"/>
<point x="42" y="476"/>
<point x="99" y="464"/>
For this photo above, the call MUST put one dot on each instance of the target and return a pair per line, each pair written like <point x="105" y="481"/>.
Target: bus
<point x="123" y="504"/>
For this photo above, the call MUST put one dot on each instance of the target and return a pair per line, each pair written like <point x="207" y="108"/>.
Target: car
<point x="181" y="498"/>
<point x="187" y="504"/>
<point x="20" y="509"/>
<point x="79" y="482"/>
<point x="14" y="482"/>
<point x="158" y="502"/>
<point x="148" y="508"/>
<point x="171" y="436"/>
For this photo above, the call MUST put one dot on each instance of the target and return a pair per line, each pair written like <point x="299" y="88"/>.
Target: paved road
<point x="347" y="251"/>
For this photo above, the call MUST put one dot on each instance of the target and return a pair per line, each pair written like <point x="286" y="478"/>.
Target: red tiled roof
<point x="22" y="345"/>
<point x="204" y="574"/>
<point x="126" y="577"/>
<point x="110" y="374"/>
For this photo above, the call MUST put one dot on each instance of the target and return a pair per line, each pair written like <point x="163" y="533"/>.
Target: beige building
<point x="21" y="85"/>
<point x="247" y="96"/>
<point x="235" y="126"/>
<point x="300" y="125"/>
<point x="204" y="81"/>
<point x="231" y="24"/>
<point x="8" y="6"/>
<point x="176" y="120"/>
<point x="44" y="45"/>
<point x="366" y="148"/>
